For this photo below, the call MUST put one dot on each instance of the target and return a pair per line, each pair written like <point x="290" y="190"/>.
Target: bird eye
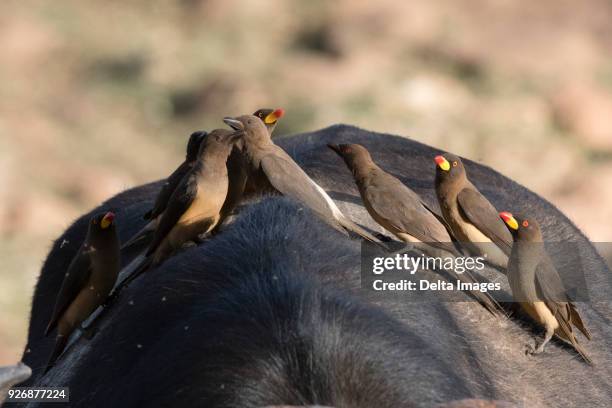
<point x="525" y="223"/>
<point x="454" y="164"/>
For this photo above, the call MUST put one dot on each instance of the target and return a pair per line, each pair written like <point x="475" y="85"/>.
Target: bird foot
<point x="532" y="351"/>
<point x="203" y="237"/>
<point x="189" y="244"/>
<point x="529" y="350"/>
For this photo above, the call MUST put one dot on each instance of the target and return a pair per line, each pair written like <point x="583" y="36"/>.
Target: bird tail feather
<point x="350" y="226"/>
<point x="58" y="348"/>
<point x="134" y="269"/>
<point x="582" y="352"/>
<point x="577" y="321"/>
<point x="140" y="235"/>
<point x="565" y="332"/>
<point x="485" y="299"/>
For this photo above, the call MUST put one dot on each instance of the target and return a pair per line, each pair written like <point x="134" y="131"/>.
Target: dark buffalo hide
<point x="270" y="312"/>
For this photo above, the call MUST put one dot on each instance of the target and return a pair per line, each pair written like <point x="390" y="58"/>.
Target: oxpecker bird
<point x="537" y="286"/>
<point x="237" y="167"/>
<point x="88" y="280"/>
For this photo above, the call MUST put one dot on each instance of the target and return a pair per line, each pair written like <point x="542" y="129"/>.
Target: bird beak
<point x="336" y="148"/>
<point x="107" y="220"/>
<point x="234" y="124"/>
<point x="274" y="116"/>
<point x="509" y="220"/>
<point x="442" y="163"/>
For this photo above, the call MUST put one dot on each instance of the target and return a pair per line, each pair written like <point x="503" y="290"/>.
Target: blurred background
<point x="96" y="97"/>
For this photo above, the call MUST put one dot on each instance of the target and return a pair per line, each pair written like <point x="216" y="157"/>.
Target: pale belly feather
<point x="541" y="314"/>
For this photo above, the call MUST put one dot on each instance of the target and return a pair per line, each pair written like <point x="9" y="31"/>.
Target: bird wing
<point x="547" y="289"/>
<point x="173" y="180"/>
<point x="404" y="209"/>
<point x="485" y="217"/>
<point x="549" y="282"/>
<point x="145" y="231"/>
<point x="237" y="181"/>
<point x="75" y="279"/>
<point x="439" y="218"/>
<point x="290" y="180"/>
<point x="550" y="289"/>
<point x="179" y="202"/>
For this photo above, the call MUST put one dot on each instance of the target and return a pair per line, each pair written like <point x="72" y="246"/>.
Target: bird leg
<point x="199" y="239"/>
<point x="540" y="348"/>
<point x="203" y="237"/>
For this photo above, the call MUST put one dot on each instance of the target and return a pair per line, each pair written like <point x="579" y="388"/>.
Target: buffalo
<point x="271" y="311"/>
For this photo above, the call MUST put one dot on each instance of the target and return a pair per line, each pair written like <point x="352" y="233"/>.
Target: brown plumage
<point x="194" y="208"/>
<point x="173" y="180"/>
<point x="537" y="286"/>
<point x="272" y="169"/>
<point x="401" y="211"/>
<point x="237" y="167"/>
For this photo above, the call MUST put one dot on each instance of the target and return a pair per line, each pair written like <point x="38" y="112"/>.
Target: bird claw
<point x="203" y="237"/>
<point x="189" y="244"/>
<point x="532" y="351"/>
<point x="196" y="241"/>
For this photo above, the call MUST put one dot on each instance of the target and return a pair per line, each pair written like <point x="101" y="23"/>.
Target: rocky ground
<point x="97" y="97"/>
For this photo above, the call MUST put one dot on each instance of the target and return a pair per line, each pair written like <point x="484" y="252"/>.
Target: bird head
<point x="102" y="231"/>
<point x="353" y="154"/>
<point x="102" y="223"/>
<point x="193" y="145"/>
<point x="251" y="127"/>
<point x="522" y="228"/>
<point x="219" y="140"/>
<point x="449" y="167"/>
<point x="270" y="117"/>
